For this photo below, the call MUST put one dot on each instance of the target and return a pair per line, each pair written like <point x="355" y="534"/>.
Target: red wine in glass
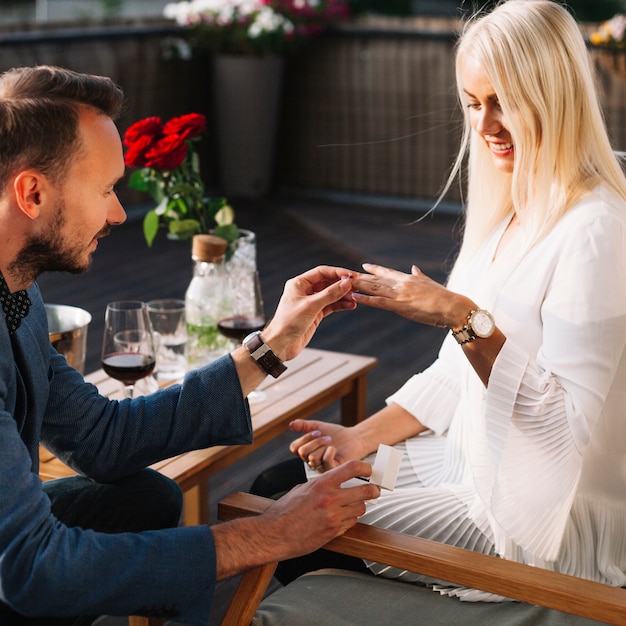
<point x="239" y="327"/>
<point x="128" y="367"/>
<point x="127" y="345"/>
<point x="246" y="316"/>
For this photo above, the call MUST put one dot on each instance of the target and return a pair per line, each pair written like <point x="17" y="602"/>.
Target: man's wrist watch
<point x="263" y="355"/>
<point x="480" y="323"/>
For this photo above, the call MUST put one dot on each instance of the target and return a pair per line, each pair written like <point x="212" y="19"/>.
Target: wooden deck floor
<point x="292" y="236"/>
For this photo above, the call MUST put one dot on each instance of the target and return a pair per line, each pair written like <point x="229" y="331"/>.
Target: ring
<point x="311" y="464"/>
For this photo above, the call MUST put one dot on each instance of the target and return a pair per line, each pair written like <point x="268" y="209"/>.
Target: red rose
<point x="167" y="153"/>
<point x="136" y="154"/>
<point x="150" y="127"/>
<point x="187" y="126"/>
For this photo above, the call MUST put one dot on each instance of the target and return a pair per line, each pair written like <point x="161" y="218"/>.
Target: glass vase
<point x="241" y="270"/>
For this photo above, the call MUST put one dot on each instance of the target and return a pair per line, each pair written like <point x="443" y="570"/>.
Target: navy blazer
<point x="49" y="569"/>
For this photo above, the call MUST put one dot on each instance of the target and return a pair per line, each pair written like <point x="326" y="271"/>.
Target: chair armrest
<point x="463" y="567"/>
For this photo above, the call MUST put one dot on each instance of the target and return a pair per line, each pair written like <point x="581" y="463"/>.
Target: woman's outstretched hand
<point x="414" y="296"/>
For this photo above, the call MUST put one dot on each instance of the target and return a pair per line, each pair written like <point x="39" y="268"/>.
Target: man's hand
<point x="302" y="521"/>
<point x="307" y="299"/>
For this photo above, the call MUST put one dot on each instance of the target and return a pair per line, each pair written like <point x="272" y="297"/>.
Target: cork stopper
<point x="208" y="248"/>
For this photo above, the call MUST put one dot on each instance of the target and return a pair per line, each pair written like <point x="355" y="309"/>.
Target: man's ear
<point x="30" y="188"/>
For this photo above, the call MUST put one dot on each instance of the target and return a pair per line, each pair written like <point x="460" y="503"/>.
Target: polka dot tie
<point x="14" y="305"/>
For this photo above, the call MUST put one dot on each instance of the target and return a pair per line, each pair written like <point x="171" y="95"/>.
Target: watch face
<point x="482" y="323"/>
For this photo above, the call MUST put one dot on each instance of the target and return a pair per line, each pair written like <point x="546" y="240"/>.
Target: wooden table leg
<point x="354" y="404"/>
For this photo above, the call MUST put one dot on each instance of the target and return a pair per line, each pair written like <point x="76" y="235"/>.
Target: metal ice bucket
<point x="67" y="326"/>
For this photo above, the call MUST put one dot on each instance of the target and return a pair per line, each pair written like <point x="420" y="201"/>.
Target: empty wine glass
<point x="127" y="345"/>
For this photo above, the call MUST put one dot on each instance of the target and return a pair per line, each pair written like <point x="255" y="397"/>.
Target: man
<point x="106" y="541"/>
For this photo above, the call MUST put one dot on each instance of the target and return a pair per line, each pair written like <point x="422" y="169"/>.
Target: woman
<point x="515" y="439"/>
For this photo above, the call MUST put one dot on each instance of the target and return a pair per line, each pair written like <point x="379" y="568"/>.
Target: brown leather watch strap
<point x="263" y="355"/>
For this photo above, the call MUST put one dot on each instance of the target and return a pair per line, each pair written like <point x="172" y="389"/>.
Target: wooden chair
<point x="514" y="580"/>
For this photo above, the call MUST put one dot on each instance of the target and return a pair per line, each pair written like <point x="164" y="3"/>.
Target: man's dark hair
<point x="39" y="114"/>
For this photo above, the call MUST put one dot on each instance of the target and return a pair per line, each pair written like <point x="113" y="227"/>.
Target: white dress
<point x="533" y="468"/>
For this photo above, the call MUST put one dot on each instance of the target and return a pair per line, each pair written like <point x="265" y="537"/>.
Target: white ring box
<point x="384" y="469"/>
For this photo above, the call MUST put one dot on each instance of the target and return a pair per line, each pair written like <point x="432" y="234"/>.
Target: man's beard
<point x="50" y="252"/>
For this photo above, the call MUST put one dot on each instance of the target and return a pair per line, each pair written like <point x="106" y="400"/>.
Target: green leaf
<point x="183" y="210"/>
<point x="155" y="189"/>
<point x="213" y="205"/>
<point x="180" y="225"/>
<point x="150" y="226"/>
<point x="183" y="229"/>
<point x="230" y="232"/>
<point x="195" y="161"/>
<point x="138" y="181"/>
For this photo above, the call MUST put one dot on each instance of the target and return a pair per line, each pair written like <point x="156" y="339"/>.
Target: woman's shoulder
<point x="599" y="212"/>
<point x="593" y="231"/>
<point x="600" y="201"/>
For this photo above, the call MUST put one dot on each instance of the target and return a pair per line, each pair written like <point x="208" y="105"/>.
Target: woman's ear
<point x="30" y="189"/>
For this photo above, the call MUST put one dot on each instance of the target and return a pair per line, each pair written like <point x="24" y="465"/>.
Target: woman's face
<point x="485" y="114"/>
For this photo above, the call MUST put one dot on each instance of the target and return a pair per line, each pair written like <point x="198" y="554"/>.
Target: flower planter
<point x="612" y="60"/>
<point x="246" y="100"/>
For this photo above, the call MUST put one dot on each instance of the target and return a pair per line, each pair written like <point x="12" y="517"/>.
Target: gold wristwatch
<point x="480" y="323"/>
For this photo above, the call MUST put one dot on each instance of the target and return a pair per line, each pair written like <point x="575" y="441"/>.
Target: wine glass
<point x="127" y="346"/>
<point x="246" y="315"/>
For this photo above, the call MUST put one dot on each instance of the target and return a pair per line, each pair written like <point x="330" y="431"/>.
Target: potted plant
<point x="169" y="170"/>
<point x="609" y="44"/>
<point x="254" y="27"/>
<point x="247" y="41"/>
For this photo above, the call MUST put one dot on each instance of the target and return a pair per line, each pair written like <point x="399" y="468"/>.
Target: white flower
<point x="303" y="4"/>
<point x="177" y="11"/>
<point x="264" y="28"/>
<point x="616" y="27"/>
<point x="268" y="21"/>
<point x="220" y="12"/>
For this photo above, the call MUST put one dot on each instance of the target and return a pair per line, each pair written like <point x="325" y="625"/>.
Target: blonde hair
<point x="535" y="57"/>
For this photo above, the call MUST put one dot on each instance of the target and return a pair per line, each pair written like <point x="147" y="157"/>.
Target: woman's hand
<point x="307" y="299"/>
<point x="325" y="446"/>
<point x="418" y="298"/>
<point x="414" y="296"/>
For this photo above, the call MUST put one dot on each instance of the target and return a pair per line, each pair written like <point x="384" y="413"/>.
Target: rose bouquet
<point x="170" y="173"/>
<point x="254" y="26"/>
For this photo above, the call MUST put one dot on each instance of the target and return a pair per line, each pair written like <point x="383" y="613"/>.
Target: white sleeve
<point x="540" y="410"/>
<point x="432" y="395"/>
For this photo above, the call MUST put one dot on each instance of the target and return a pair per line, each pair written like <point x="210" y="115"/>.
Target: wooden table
<point x="313" y="381"/>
